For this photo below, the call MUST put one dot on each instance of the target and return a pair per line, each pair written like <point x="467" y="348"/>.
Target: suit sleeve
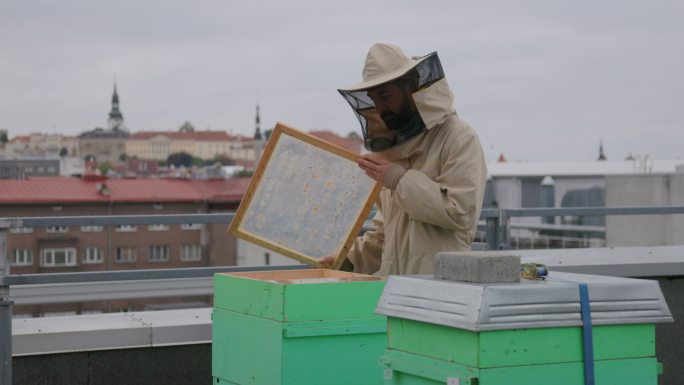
<point x="454" y="199"/>
<point x="366" y="252"/>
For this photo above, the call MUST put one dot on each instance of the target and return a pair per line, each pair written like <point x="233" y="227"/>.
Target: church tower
<point x="259" y="138"/>
<point x="115" y="121"/>
<point x="602" y="155"/>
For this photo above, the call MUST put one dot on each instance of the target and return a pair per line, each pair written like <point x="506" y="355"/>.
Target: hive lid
<point x="527" y="304"/>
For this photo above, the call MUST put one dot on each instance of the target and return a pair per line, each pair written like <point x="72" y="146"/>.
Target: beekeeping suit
<point x="433" y="192"/>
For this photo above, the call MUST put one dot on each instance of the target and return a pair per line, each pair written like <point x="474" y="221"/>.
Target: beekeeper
<point x="429" y="161"/>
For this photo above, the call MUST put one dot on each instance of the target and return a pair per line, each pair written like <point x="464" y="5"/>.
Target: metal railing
<point x="497" y="229"/>
<point x="120" y="277"/>
<point x="497" y="221"/>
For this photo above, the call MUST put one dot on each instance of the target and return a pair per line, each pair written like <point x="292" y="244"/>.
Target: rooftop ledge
<point x="34" y="336"/>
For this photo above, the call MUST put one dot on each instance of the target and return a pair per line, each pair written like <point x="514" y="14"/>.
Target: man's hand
<point x="327" y="261"/>
<point x="381" y="170"/>
<point x="374" y="167"/>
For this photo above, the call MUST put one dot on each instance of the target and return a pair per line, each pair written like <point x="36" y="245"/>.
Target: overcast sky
<point x="538" y="80"/>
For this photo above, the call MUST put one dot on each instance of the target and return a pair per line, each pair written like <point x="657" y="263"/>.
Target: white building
<point x="40" y="145"/>
<point x="580" y="184"/>
<point x="71" y="165"/>
<point x="250" y="254"/>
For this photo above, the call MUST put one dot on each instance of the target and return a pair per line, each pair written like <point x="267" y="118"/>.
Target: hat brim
<point x="385" y="78"/>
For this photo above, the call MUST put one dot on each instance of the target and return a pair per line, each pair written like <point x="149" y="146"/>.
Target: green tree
<point x="222" y="159"/>
<point x="63" y="152"/>
<point x="244" y="173"/>
<point x="123" y="157"/>
<point x="104" y="168"/>
<point x="4" y="138"/>
<point x="180" y="159"/>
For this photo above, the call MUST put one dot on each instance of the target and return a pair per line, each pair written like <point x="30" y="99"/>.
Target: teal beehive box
<point x="528" y="332"/>
<point x="297" y="327"/>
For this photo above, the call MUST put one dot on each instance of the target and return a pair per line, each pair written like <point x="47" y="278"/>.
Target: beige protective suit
<point x="437" y="201"/>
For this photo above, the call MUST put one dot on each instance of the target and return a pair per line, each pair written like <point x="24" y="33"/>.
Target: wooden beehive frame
<point x="245" y="205"/>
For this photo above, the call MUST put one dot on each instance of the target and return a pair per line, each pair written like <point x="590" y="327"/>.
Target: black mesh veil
<point x="376" y="135"/>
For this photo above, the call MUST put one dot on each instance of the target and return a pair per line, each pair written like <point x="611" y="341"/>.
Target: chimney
<point x="102" y="189"/>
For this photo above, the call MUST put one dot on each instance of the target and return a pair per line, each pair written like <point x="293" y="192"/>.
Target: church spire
<point x="257" y="131"/>
<point x="115" y="120"/>
<point x="602" y="155"/>
<point x="259" y="138"/>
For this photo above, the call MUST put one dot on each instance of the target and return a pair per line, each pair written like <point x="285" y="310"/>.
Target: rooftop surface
<point x="144" y="347"/>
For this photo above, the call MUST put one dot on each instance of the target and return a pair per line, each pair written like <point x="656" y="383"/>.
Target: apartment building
<point x="40" y="145"/>
<point x="103" y="145"/>
<point x="28" y="167"/>
<point x="95" y="248"/>
<point x="158" y="145"/>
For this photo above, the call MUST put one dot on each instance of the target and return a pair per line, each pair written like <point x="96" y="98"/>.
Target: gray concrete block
<point x="479" y="267"/>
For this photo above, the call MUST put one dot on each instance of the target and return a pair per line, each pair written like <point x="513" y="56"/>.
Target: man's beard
<point x="395" y="121"/>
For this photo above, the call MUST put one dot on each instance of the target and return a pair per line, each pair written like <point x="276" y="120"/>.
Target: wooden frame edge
<point x="365" y="210"/>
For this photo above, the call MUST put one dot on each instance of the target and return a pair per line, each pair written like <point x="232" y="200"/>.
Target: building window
<point x="22" y="257"/>
<point x="91" y="229"/>
<point x="90" y="311"/>
<point x="191" y="253"/>
<point x="126" y="228"/>
<point x="159" y="253"/>
<point x="158" y="227"/>
<point x="93" y="255"/>
<point x="21" y="230"/>
<point x="59" y="257"/>
<point x="191" y="226"/>
<point x="59" y="313"/>
<point x="57" y="229"/>
<point x="51" y="169"/>
<point x="126" y="254"/>
<point x="531" y="192"/>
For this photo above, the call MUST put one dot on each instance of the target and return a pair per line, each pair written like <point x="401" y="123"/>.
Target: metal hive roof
<point x="527" y="304"/>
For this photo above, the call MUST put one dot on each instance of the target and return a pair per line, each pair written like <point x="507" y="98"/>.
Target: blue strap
<point x="588" y="343"/>
<point x="589" y="377"/>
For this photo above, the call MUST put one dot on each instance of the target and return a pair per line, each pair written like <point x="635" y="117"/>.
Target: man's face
<point x="392" y="104"/>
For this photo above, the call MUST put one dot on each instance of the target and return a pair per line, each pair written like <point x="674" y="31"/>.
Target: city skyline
<point x="537" y="81"/>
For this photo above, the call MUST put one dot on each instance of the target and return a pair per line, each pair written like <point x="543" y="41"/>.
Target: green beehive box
<point x="497" y="348"/>
<point x="297" y="327"/>
<point x="411" y="369"/>
<point x="529" y="332"/>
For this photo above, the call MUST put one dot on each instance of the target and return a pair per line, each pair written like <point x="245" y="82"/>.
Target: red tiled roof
<point x="244" y="163"/>
<point x="240" y="138"/>
<point x="177" y="135"/>
<point x="224" y="190"/>
<point x="353" y="145"/>
<point x="50" y="190"/>
<point x="22" y="138"/>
